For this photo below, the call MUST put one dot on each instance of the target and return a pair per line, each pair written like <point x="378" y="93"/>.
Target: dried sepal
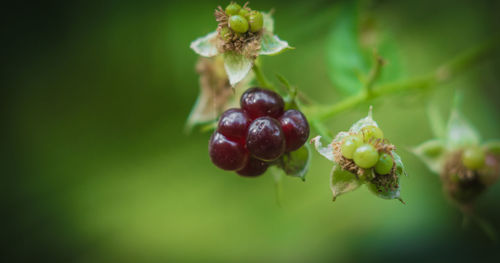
<point x="216" y="94"/>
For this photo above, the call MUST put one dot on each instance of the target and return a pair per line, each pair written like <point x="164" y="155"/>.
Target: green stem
<point x="442" y="74"/>
<point x="261" y="78"/>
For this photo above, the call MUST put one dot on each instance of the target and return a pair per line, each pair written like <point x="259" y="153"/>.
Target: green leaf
<point x="296" y="163"/>
<point x="205" y="46"/>
<point x="354" y="46"/>
<point x="432" y="153"/>
<point x="237" y="66"/>
<point x="460" y="133"/>
<point x="384" y="193"/>
<point x="342" y="182"/>
<point x="400" y="168"/>
<point x="272" y="45"/>
<point x="345" y="56"/>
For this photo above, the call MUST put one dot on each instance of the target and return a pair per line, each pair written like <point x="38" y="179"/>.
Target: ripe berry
<point x="256" y="21"/>
<point x="233" y="124"/>
<point x="372" y="132"/>
<point x="257" y="102"/>
<point x="350" y="145"/>
<point x="473" y="158"/>
<point x="384" y="164"/>
<point x="296" y="129"/>
<point x="365" y="156"/>
<point x="227" y="154"/>
<point x="232" y="9"/>
<point x="253" y="168"/>
<point x="265" y="139"/>
<point x="238" y="24"/>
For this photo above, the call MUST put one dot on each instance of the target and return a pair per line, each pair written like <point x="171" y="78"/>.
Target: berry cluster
<point x="249" y="139"/>
<point x="361" y="148"/>
<point x="242" y="20"/>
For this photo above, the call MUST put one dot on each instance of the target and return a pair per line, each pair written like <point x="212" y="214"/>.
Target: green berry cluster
<point x="242" y="20"/>
<point x="361" y="149"/>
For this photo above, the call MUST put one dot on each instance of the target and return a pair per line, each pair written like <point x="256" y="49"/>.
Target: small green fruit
<point x="238" y="24"/>
<point x="225" y="33"/>
<point x="244" y="13"/>
<point x="384" y="164"/>
<point x="372" y="132"/>
<point x="349" y="146"/>
<point x="256" y="21"/>
<point x="365" y="156"/>
<point x="232" y="9"/>
<point x="473" y="158"/>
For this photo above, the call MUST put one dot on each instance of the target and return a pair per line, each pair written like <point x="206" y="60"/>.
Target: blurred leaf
<point x="460" y="133"/>
<point x="352" y="46"/>
<point x="205" y="46"/>
<point x="345" y="57"/>
<point x="432" y="153"/>
<point x="387" y="48"/>
<point x="296" y="163"/>
<point x="272" y="45"/>
<point x="342" y="181"/>
<point x="237" y="66"/>
<point x="436" y="121"/>
<point x="493" y="147"/>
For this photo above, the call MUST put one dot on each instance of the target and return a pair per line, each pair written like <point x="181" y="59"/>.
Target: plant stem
<point x="442" y="74"/>
<point x="261" y="78"/>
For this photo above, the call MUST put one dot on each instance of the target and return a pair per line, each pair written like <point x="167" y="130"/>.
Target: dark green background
<point x="97" y="167"/>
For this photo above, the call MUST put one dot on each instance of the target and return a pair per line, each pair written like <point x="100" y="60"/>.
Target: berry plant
<point x="258" y="124"/>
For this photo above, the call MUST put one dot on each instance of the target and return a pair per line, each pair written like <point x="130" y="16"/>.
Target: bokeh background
<point x="98" y="168"/>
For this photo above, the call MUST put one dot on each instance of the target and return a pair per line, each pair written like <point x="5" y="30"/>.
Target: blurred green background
<point x="99" y="169"/>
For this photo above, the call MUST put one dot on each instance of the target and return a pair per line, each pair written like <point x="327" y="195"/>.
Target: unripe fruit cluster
<point x="249" y="139"/>
<point x="361" y="149"/>
<point x="242" y="20"/>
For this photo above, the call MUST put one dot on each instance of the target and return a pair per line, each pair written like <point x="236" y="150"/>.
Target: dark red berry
<point x="253" y="168"/>
<point x="265" y="139"/>
<point x="234" y="124"/>
<point x="257" y="102"/>
<point x="227" y="154"/>
<point x="296" y="129"/>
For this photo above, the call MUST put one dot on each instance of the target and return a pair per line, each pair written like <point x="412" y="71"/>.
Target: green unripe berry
<point x="238" y="24"/>
<point x="232" y="9"/>
<point x="225" y="33"/>
<point x="256" y="21"/>
<point x="244" y="13"/>
<point x="372" y="132"/>
<point x="349" y="146"/>
<point x="365" y="156"/>
<point x="473" y="158"/>
<point x="384" y="164"/>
